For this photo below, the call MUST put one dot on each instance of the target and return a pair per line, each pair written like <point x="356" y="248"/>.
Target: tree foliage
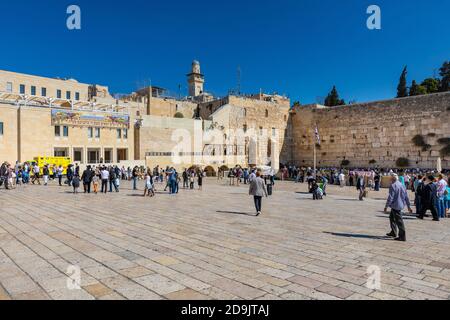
<point x="402" y="89"/>
<point x="333" y="99"/>
<point x="444" y="72"/>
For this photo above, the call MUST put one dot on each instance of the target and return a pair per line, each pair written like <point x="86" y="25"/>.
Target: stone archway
<point x="210" y="172"/>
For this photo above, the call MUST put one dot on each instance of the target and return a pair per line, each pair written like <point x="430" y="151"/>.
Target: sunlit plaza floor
<point x="209" y="245"/>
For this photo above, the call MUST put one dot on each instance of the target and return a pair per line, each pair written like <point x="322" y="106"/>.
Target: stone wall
<point x="379" y="131"/>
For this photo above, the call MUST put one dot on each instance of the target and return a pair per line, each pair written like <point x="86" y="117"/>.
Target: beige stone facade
<point x="373" y="134"/>
<point x="83" y="131"/>
<point x="151" y="127"/>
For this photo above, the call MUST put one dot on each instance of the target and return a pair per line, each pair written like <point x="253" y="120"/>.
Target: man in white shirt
<point x="105" y="177"/>
<point x="36" y="171"/>
<point x="342" y="179"/>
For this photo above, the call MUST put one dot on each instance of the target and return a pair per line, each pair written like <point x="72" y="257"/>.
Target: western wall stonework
<point x="373" y="134"/>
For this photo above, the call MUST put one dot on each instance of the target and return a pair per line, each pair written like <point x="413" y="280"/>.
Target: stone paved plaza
<point x="209" y="245"/>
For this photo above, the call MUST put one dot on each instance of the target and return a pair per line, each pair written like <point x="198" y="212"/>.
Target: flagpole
<point x="314" y="159"/>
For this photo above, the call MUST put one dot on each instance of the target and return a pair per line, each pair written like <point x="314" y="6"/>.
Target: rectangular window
<point x="90" y="132"/>
<point x="97" y="132"/>
<point x="57" y="131"/>
<point x="273" y="132"/>
<point x="58" y="94"/>
<point x="65" y="131"/>
<point x="43" y="92"/>
<point x="33" y="90"/>
<point x="22" y="89"/>
<point x="68" y="95"/>
<point x="125" y="133"/>
<point x="77" y="96"/>
<point x="78" y="155"/>
<point x="119" y="133"/>
<point x="9" y="87"/>
<point x="1" y="128"/>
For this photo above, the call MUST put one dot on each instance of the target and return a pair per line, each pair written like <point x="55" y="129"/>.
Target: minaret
<point x="195" y="80"/>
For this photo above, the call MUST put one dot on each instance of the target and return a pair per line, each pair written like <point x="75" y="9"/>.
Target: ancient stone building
<point x="63" y="117"/>
<point x="373" y="134"/>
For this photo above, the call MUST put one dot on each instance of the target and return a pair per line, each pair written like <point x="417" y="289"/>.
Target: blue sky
<point x="297" y="47"/>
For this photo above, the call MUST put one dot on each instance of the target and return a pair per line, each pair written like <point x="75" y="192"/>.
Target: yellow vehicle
<point x="52" y="162"/>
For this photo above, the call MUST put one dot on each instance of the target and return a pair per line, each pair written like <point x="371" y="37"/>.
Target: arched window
<point x="267" y="113"/>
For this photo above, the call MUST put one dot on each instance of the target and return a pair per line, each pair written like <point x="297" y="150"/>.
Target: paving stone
<point x="297" y="249"/>
<point x="335" y="291"/>
<point x="98" y="290"/>
<point x="159" y="284"/>
<point x="186" y="294"/>
<point x="305" y="281"/>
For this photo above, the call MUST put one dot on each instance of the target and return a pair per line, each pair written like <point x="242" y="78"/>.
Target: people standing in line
<point x="441" y="190"/>
<point x="361" y="186"/>
<point x="258" y="190"/>
<point x="86" y="177"/>
<point x="104" y="174"/>
<point x="428" y="199"/>
<point x="45" y="174"/>
<point x="397" y="201"/>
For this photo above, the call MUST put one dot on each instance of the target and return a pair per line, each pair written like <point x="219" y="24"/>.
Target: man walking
<point x="429" y="199"/>
<point x="397" y="201"/>
<point x="361" y="186"/>
<point x="87" y="179"/>
<point x="258" y="190"/>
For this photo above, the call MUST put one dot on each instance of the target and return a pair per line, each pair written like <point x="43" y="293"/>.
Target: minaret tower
<point x="196" y="80"/>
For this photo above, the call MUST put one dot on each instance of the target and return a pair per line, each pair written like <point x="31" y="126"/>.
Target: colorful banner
<point x="89" y="119"/>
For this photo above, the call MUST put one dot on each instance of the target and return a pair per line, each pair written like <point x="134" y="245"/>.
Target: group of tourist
<point x="102" y="178"/>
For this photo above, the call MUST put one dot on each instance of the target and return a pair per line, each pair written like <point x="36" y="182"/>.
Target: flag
<point x="316" y="132"/>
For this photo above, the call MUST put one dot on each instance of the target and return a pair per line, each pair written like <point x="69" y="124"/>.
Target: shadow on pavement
<point x="355" y="235"/>
<point x="240" y="213"/>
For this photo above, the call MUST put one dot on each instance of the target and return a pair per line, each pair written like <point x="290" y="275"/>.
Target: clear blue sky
<point x="297" y="47"/>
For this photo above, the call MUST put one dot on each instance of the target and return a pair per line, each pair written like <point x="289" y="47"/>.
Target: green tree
<point x="417" y="90"/>
<point x="402" y="89"/>
<point x="431" y="85"/>
<point x="444" y="72"/>
<point x="413" y="90"/>
<point x="296" y="104"/>
<point x="333" y="99"/>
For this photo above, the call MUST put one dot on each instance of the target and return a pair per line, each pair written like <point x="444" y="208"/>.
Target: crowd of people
<point x="431" y="190"/>
<point x="102" y="178"/>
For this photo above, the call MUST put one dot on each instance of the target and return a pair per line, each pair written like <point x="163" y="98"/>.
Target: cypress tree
<point x="402" y="89"/>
